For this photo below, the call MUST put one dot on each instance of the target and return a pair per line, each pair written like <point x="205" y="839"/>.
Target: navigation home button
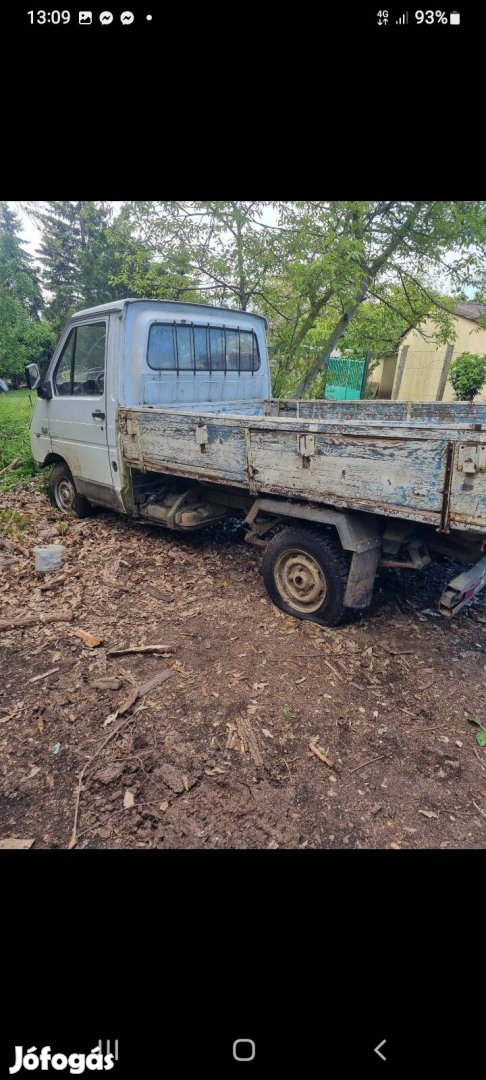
<point x="244" y="1050"/>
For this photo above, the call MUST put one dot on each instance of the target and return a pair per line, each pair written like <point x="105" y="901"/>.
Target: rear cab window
<point x="183" y="347"/>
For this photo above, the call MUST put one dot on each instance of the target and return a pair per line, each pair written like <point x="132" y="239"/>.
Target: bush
<point x="467" y="374"/>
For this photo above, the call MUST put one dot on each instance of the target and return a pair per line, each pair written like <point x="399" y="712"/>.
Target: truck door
<point x="77" y="410"/>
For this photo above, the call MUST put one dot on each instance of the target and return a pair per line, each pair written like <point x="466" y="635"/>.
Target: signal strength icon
<point x="403" y="20"/>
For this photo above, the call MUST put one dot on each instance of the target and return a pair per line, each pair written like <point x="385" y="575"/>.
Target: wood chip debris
<point x="44" y="675"/>
<point x="15" y="842"/>
<point x="249" y="739"/>
<point x="164" y="650"/>
<point x="106" y="683"/>
<point x="54" y="583"/>
<point x="166" y="598"/>
<point x="90" y="640"/>
<point x="429" y="814"/>
<point x="322" y="754"/>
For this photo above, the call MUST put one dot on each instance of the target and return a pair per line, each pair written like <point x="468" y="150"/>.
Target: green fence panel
<point x="344" y="379"/>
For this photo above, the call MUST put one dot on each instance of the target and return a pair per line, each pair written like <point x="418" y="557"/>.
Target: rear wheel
<point x="305" y="574"/>
<point x="63" y="494"/>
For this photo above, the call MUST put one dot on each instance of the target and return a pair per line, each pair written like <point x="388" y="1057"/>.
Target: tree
<point x="214" y="251"/>
<point x="311" y="265"/>
<point x="79" y="262"/>
<point x="467" y="373"/>
<point x="344" y="254"/>
<point x="20" y="275"/>
<point x="138" y="272"/>
<point x="24" y="336"/>
<point x="60" y="242"/>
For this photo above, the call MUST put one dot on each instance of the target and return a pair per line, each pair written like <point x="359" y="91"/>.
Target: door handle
<point x="98" y="415"/>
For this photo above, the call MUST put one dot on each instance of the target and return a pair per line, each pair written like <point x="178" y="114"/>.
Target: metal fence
<point x="344" y="379"/>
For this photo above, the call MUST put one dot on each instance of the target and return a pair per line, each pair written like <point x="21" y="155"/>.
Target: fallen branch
<point x="31" y="620"/>
<point x="479" y="759"/>
<point x="163" y="650"/>
<point x="44" y="675"/>
<point x="16" y="461"/>
<point x="370" y="762"/>
<point x="82" y="774"/>
<point x="53" y="584"/>
<point x="322" y="755"/>
<point x="145" y="688"/>
<point x="336" y="672"/>
<point x="479" y="808"/>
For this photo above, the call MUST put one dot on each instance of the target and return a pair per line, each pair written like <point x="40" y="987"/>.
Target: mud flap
<point x="463" y="588"/>
<point x="361" y="578"/>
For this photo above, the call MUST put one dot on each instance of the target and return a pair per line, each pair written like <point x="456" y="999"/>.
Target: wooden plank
<point x="382" y="472"/>
<point x="167" y="437"/>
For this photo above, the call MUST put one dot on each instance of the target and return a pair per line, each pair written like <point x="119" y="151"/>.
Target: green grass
<point x="16" y="410"/>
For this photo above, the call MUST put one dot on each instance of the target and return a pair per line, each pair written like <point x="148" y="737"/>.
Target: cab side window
<point x="64" y="371"/>
<point x="81" y="367"/>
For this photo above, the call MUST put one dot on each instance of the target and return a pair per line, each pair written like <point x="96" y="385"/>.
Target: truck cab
<point x="139" y="353"/>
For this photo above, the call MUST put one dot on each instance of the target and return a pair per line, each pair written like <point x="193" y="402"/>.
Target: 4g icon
<point x="382" y="17"/>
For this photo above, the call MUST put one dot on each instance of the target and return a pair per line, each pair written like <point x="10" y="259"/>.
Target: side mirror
<point x="32" y="376"/>
<point x="34" y="382"/>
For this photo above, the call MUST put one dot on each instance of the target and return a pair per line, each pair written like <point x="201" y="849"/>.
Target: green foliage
<point x="481" y="734"/>
<point x="24" y="337"/>
<point x="467" y="373"/>
<point x="16" y="410"/>
<point x="12" y="523"/>
<point x="348" y="275"/>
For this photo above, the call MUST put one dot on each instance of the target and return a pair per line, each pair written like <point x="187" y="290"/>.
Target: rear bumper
<point x="463" y="588"/>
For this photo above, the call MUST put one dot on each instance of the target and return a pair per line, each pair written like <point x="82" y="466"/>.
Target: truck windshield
<point x="175" y="347"/>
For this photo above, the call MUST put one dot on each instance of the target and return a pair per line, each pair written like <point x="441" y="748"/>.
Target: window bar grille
<point x="208" y="343"/>
<point x="239" y="350"/>
<point x="224" y="339"/>
<point x="73" y="358"/>
<point x="193" y="341"/>
<point x="174" y="331"/>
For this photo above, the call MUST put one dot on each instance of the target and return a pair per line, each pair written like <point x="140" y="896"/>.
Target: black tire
<point x="305" y="574"/>
<point x="63" y="494"/>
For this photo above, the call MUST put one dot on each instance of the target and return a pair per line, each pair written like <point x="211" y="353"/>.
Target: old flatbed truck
<point x="163" y="411"/>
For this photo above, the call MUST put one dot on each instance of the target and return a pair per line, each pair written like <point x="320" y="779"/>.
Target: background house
<point x="423" y="363"/>
<point x="381" y="377"/>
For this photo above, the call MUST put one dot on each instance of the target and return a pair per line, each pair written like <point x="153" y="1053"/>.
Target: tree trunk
<point x="243" y="298"/>
<point x="330" y="345"/>
<point x="309" y="322"/>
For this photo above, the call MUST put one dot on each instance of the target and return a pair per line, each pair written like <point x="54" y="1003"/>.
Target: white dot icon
<point x="148" y="18"/>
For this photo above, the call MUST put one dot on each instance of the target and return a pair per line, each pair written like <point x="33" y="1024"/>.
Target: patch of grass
<point x="16" y="410"/>
<point x="12" y="522"/>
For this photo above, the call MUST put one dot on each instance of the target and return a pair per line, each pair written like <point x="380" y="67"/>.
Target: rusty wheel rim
<point x="65" y="495"/>
<point x="300" y="580"/>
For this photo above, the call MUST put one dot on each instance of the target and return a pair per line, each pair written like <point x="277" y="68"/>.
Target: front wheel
<point x="63" y="494"/>
<point x="305" y="574"/>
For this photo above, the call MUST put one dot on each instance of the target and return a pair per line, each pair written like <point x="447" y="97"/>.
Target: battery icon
<point x="455" y="18"/>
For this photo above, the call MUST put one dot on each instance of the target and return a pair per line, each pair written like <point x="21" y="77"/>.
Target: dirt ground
<point x="218" y="755"/>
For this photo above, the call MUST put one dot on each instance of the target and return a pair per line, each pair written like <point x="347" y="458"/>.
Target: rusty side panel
<point x="393" y="469"/>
